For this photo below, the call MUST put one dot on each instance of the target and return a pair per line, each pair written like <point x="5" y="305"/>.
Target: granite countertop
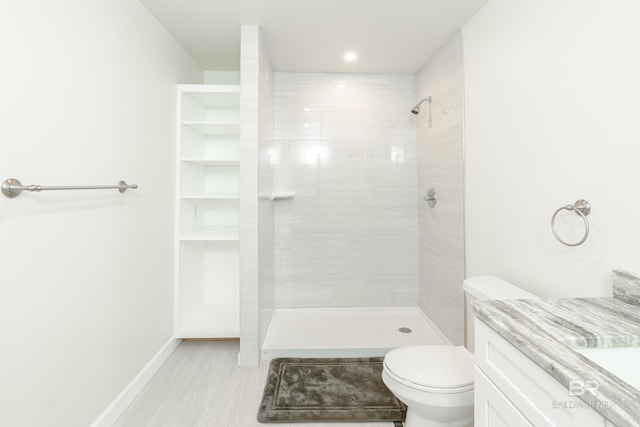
<point x="548" y="330"/>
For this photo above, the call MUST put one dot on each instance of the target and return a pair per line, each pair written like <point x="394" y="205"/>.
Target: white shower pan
<point x="347" y="332"/>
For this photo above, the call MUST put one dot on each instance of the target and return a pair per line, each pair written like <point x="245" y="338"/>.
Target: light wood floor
<point x="201" y="385"/>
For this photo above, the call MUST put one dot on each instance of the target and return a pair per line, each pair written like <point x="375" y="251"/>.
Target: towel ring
<point x="582" y="208"/>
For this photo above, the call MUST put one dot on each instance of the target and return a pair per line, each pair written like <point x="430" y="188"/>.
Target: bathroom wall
<point x="266" y="178"/>
<point x="255" y="176"/>
<point x="440" y="166"/>
<point x="256" y="180"/>
<point x="345" y="143"/>
<point x="551" y="112"/>
<point x="88" y="97"/>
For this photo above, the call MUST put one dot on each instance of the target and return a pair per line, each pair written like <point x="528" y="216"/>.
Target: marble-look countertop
<point x="548" y="330"/>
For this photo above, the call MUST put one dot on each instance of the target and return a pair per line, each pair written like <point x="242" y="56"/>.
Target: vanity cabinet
<point x="207" y="212"/>
<point x="511" y="390"/>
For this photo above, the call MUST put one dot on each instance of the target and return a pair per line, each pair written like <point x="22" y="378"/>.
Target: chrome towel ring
<point x="580" y="207"/>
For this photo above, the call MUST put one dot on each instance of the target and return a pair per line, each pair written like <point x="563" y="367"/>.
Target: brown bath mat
<point x="300" y="390"/>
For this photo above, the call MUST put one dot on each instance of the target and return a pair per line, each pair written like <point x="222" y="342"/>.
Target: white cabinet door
<point x="541" y="399"/>
<point x="492" y="408"/>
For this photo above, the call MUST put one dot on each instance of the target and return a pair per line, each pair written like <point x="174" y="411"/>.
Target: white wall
<point x="256" y="180"/>
<point x="552" y="103"/>
<point x="440" y="166"/>
<point x="88" y="97"/>
<point x="350" y="236"/>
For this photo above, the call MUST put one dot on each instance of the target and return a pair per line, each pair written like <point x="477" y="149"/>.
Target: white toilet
<point x="436" y="381"/>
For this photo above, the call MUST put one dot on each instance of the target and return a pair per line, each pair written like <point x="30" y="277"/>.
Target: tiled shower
<point x="441" y="166"/>
<point x="346" y="144"/>
<point x="358" y="234"/>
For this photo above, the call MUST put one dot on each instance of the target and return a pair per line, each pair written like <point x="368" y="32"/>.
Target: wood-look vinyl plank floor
<point x="201" y="385"/>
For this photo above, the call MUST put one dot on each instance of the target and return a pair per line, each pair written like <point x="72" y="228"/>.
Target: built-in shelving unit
<point x="208" y="212"/>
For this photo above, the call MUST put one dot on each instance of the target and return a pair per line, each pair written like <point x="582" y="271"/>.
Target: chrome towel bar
<point x="12" y="187"/>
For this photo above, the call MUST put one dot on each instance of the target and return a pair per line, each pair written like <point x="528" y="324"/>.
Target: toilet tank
<point x="486" y="288"/>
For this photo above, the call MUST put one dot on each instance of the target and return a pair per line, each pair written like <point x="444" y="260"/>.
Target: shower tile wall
<point x="345" y="143"/>
<point x="249" y="84"/>
<point x="265" y="187"/>
<point x="256" y="177"/>
<point x="440" y="165"/>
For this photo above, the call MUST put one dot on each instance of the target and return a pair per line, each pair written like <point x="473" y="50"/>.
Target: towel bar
<point x="12" y="187"/>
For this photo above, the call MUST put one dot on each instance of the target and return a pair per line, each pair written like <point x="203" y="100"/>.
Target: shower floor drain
<point x="405" y="330"/>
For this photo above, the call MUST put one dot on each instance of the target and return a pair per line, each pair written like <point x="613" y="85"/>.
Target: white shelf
<point x="212" y="233"/>
<point x="211" y="162"/>
<point x="213" y="128"/>
<point x="211" y="196"/>
<point x="208" y="232"/>
<point x="208" y="238"/>
<point x="213" y="96"/>
<point x="217" y="320"/>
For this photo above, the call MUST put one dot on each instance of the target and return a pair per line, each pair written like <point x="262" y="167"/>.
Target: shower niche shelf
<point x="208" y="212"/>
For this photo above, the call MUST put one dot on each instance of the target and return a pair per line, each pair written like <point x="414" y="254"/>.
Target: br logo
<point x="579" y="387"/>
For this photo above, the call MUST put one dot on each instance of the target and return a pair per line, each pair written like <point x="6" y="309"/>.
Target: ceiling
<point x="389" y="36"/>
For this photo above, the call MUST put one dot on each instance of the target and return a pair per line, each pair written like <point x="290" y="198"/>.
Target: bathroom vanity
<point x="530" y="369"/>
<point x="534" y="397"/>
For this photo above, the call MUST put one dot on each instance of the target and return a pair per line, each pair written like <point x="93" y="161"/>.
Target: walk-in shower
<point x="346" y="278"/>
<point x="360" y="266"/>
<point x="347" y="332"/>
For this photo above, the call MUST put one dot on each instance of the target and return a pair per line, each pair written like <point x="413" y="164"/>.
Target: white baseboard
<point x="126" y="396"/>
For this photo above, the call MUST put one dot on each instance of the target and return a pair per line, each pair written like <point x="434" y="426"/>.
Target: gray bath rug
<point x="317" y="390"/>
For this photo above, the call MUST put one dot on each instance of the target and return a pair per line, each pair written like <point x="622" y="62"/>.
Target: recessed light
<point x="350" y="56"/>
<point x="341" y="85"/>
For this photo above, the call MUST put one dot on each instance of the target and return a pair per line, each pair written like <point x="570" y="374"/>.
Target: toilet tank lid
<point x="492" y="288"/>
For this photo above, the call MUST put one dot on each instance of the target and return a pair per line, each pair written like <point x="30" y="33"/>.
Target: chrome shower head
<point x="416" y="109"/>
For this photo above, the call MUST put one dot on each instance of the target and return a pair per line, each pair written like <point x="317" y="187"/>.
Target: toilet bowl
<point x="436" y="381"/>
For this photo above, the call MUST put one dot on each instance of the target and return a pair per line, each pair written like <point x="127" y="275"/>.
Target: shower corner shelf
<point x="207" y="212"/>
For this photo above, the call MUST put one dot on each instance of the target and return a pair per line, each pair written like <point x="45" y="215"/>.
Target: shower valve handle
<point x="431" y="198"/>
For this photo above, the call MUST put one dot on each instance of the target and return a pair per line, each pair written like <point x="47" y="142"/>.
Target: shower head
<point x="416" y="109"/>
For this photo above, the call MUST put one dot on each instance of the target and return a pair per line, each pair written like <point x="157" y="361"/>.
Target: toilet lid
<point x="448" y="368"/>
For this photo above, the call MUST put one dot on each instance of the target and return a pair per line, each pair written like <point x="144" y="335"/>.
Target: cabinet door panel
<point x="492" y="408"/>
<point x="537" y="395"/>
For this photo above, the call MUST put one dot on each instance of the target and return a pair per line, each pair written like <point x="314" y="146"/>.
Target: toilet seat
<point x="433" y="368"/>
